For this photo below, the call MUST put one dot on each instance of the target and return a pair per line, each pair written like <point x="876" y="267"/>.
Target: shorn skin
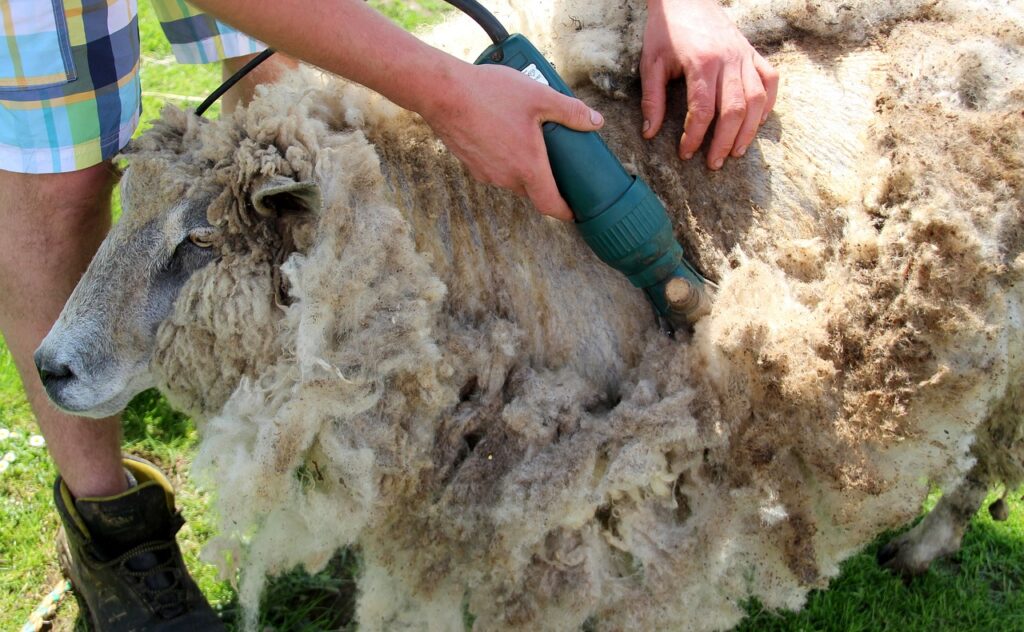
<point x="388" y="355"/>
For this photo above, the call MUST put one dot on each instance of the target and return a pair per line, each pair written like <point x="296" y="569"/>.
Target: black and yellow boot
<point x="122" y="558"/>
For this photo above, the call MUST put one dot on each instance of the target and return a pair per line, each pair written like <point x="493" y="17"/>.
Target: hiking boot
<point x="122" y="558"/>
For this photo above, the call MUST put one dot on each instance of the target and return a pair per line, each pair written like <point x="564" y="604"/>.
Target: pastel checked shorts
<point x="70" y="95"/>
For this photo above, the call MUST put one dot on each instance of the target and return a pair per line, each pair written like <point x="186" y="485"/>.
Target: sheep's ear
<point x="279" y="195"/>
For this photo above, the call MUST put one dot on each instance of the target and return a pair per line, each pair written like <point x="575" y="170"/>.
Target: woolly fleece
<point x="430" y="371"/>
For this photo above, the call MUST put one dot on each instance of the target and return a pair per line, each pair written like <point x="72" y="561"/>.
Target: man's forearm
<point x="349" y="38"/>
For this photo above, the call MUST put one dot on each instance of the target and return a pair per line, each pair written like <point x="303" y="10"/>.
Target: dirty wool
<point x="408" y="362"/>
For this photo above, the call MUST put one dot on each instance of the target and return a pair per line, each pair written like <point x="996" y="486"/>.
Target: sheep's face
<point x="96" y="356"/>
<point x="121" y="318"/>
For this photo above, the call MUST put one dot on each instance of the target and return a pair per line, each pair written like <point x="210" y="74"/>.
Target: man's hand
<point x="724" y="75"/>
<point x="491" y="120"/>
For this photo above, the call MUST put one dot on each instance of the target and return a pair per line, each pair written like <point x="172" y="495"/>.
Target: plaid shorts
<point x="70" y="95"/>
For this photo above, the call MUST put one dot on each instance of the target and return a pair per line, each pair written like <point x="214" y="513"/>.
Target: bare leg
<point x="52" y="226"/>
<point x="939" y="534"/>
<point x="267" y="72"/>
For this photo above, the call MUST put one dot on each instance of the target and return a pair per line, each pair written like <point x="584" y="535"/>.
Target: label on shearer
<point x="534" y="73"/>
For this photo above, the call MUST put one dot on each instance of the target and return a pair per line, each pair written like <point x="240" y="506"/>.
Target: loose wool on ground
<point x="420" y="366"/>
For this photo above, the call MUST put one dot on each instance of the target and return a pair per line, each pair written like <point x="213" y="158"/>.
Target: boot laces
<point x="156" y="575"/>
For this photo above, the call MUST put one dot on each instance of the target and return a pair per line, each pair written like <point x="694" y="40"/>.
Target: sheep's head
<point x="190" y="228"/>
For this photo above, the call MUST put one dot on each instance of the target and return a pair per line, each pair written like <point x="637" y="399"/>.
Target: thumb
<point x="571" y="112"/>
<point x="652" y="104"/>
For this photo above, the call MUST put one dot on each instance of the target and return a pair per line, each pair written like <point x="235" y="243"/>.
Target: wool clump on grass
<point x="416" y="364"/>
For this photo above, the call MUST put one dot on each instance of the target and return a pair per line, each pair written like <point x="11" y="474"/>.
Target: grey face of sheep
<point x="96" y="356"/>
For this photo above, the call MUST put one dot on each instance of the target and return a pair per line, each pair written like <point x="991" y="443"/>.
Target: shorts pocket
<point x="37" y="51"/>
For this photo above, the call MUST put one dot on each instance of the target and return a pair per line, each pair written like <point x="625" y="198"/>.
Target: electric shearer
<point x="617" y="215"/>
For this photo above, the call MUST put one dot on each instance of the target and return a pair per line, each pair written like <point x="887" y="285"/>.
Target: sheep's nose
<point x="51" y="371"/>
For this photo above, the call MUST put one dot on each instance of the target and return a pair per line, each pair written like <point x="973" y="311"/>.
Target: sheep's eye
<point x="202" y="237"/>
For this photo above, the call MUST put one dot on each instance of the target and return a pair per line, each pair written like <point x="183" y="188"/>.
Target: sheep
<point x="383" y="353"/>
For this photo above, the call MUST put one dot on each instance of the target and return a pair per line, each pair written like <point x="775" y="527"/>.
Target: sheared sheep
<point x="390" y="355"/>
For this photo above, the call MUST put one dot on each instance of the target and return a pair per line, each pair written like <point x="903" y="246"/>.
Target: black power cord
<point x="233" y="79"/>
<point x="483" y="17"/>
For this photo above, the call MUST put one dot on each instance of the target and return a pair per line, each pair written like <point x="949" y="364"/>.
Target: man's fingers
<point x="756" y="97"/>
<point x="572" y="113"/>
<point x="770" y="80"/>
<point x="701" y="84"/>
<point x="540" y="184"/>
<point x="732" y="110"/>
<point x="653" y="77"/>
<point x="548" y="201"/>
<point x="540" y="188"/>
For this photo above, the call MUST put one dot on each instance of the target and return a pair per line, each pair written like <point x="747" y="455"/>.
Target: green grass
<point x="981" y="589"/>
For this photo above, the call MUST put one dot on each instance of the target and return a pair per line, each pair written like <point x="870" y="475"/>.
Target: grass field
<point x="981" y="589"/>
